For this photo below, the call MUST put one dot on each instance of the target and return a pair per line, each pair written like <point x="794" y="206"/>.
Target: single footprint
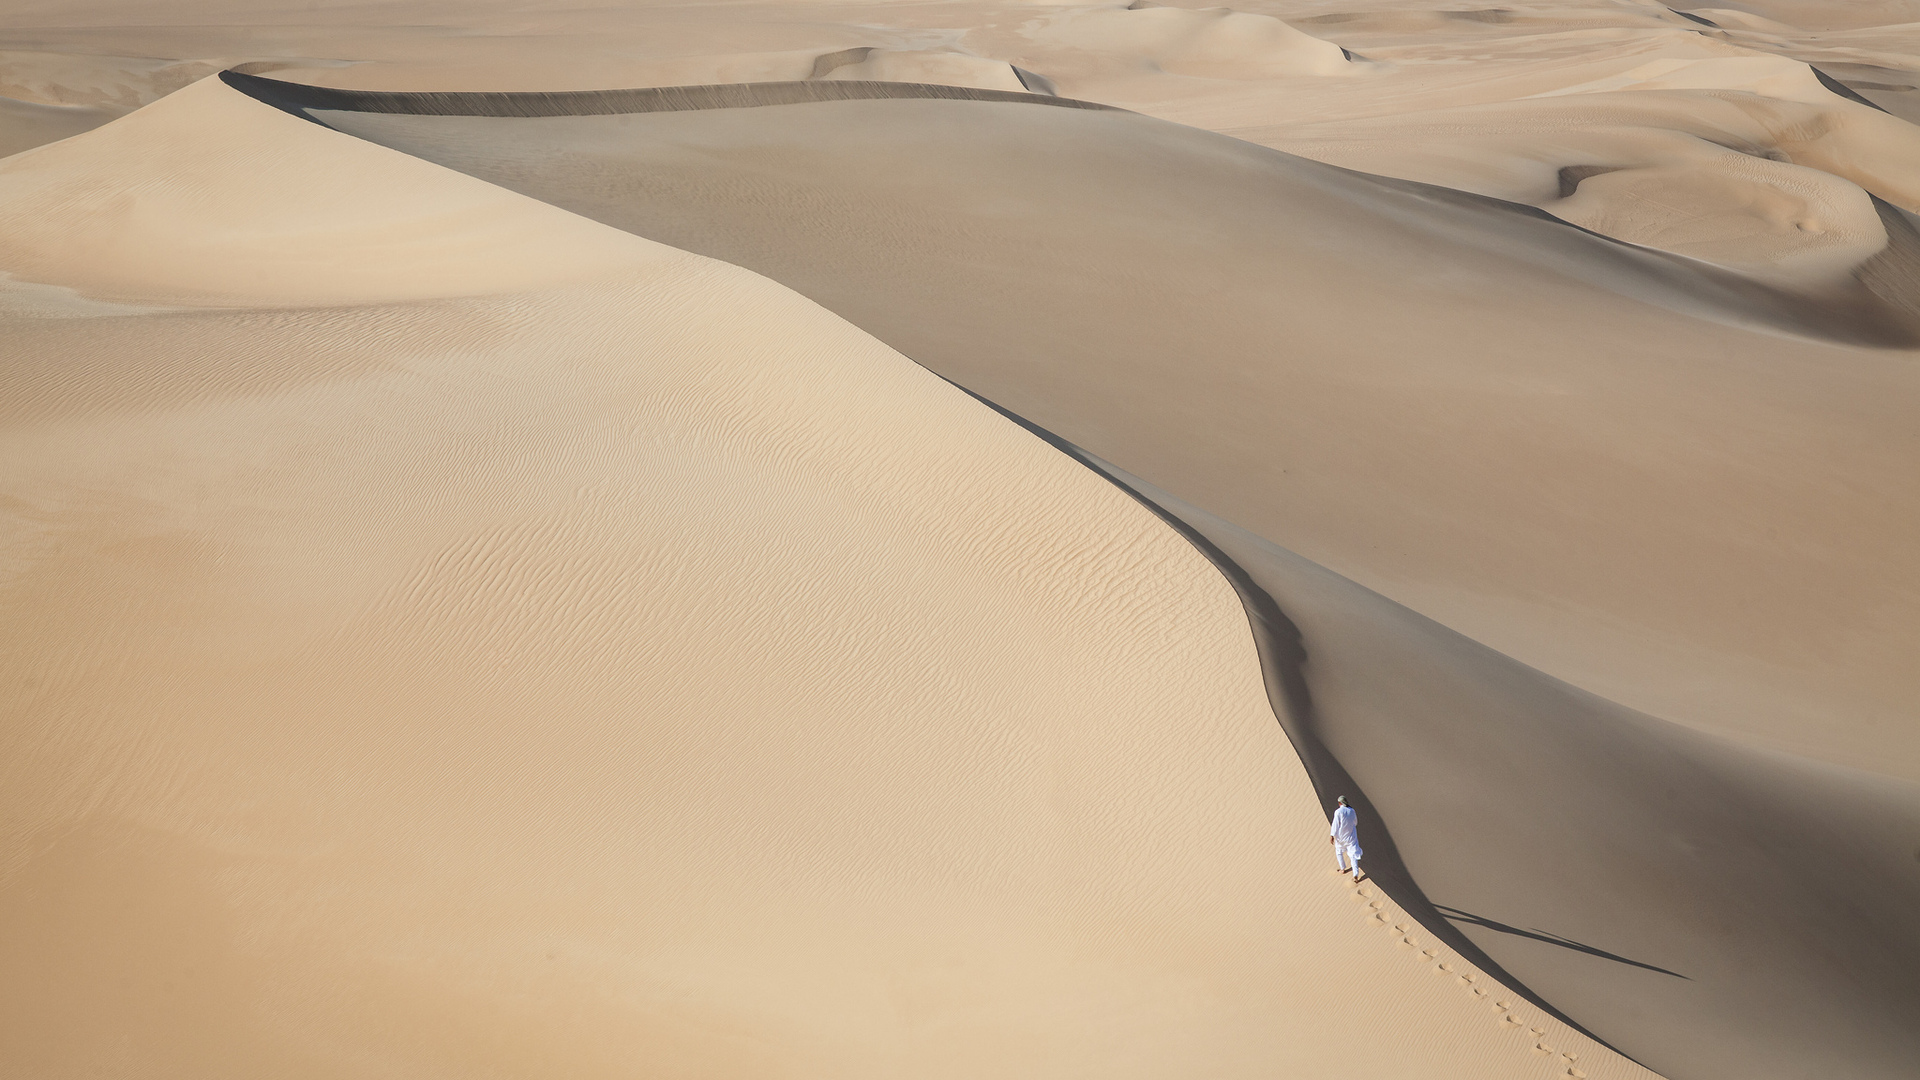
<point x="1444" y="968"/>
<point x="1509" y="1021"/>
<point x="1542" y="1049"/>
<point x="1402" y="928"/>
<point x="1569" y="1057"/>
<point x="1502" y="1006"/>
<point x="1538" y="1032"/>
<point x="1429" y="954"/>
<point x="1376" y="919"/>
<point x="1576" y="1073"/>
<point x="1467" y="981"/>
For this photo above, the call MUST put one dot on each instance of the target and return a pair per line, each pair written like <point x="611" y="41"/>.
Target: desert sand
<point x="811" y="539"/>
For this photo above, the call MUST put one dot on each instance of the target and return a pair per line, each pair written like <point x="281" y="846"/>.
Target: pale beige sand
<point x="1780" y="608"/>
<point x="1704" y="133"/>
<point x="653" y="668"/>
<point x="1188" y="308"/>
<point x="1526" y="449"/>
<point x="26" y="124"/>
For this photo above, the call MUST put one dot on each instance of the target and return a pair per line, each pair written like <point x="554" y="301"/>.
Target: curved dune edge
<point x="1361" y="684"/>
<point x="651" y="668"/>
<point x="302" y="99"/>
<point x="1653" y="925"/>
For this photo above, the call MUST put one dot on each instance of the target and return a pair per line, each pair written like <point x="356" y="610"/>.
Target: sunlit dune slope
<point x="531" y="650"/>
<point x="1534" y="434"/>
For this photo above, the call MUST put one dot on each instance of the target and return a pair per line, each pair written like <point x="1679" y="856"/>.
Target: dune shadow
<point x="303" y="100"/>
<point x="1456" y="915"/>
<point x="1283" y="655"/>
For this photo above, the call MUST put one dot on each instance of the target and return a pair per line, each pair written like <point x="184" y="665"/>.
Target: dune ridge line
<point x="299" y="98"/>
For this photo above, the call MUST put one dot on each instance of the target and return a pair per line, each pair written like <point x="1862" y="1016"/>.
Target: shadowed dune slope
<point x="546" y="651"/>
<point x="1571" y="839"/>
<point x="1536" y="435"/>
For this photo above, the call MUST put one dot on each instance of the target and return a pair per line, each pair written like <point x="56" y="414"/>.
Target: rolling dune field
<point x="800" y="539"/>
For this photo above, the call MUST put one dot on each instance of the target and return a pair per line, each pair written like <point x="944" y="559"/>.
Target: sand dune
<point x="644" y="667"/>
<point x="149" y="237"/>
<point x="968" y="236"/>
<point x="26" y="124"/>
<point x="924" y="66"/>
<point x="1675" y="893"/>
<point x="1708" y="136"/>
<point x="1215" y="43"/>
<point x="446" y="634"/>
<point x="1735" y="179"/>
<point x="85" y="80"/>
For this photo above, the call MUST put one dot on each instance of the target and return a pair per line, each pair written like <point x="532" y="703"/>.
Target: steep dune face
<point x="1674" y="891"/>
<point x="644" y="667"/>
<point x="1358" y="370"/>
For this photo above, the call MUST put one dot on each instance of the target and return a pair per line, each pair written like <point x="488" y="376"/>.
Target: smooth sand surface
<point x="450" y="635"/>
<point x="645" y="667"/>
<point x="1277" y="335"/>
<point x="25" y="124"/>
<point x="1192" y="309"/>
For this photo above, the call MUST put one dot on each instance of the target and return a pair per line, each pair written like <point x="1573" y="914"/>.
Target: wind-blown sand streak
<point x="1008" y="249"/>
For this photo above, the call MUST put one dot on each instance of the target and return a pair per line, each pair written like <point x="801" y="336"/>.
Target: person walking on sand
<point x="1345" y="837"/>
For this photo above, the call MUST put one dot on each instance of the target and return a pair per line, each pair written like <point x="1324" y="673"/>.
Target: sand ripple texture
<point x="524" y="649"/>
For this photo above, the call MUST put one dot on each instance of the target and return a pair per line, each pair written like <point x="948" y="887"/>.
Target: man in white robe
<point x="1345" y="837"/>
